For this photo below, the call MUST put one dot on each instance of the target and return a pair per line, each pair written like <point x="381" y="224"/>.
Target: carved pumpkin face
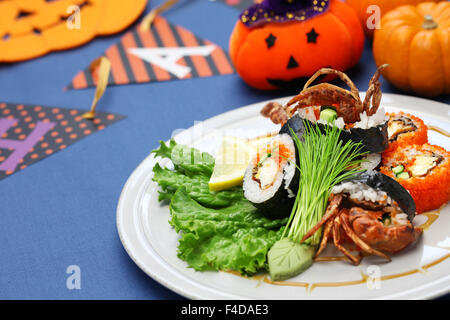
<point x="277" y="55"/>
<point x="31" y="28"/>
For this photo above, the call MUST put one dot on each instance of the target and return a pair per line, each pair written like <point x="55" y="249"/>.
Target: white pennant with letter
<point x="166" y="58"/>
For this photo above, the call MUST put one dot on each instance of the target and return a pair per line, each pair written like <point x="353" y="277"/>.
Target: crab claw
<point x="374" y="92"/>
<point x="275" y="112"/>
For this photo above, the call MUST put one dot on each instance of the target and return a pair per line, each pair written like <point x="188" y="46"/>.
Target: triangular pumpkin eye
<point x="292" y="63"/>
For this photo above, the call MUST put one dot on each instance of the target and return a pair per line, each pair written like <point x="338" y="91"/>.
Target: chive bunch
<point x="324" y="161"/>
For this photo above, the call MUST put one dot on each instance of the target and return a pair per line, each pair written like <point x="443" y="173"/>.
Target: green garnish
<point x="403" y="175"/>
<point x="398" y="169"/>
<point x="329" y="115"/>
<point x="269" y="155"/>
<point x="324" y="161"/>
<point x="236" y="237"/>
<point x="386" y="219"/>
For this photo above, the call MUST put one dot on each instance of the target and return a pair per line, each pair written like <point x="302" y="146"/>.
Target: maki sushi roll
<point x="271" y="179"/>
<point x="373" y="190"/>
<point x="405" y="129"/>
<point x="380" y="211"/>
<point x="424" y="170"/>
<point x="371" y="131"/>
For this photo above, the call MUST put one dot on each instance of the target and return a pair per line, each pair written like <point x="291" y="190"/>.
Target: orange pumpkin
<point x="415" y="42"/>
<point x="361" y="7"/>
<point x="31" y="28"/>
<point x="276" y="55"/>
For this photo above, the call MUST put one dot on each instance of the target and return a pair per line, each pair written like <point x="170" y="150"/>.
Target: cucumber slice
<point x="398" y="169"/>
<point x="403" y="175"/>
<point x="328" y="115"/>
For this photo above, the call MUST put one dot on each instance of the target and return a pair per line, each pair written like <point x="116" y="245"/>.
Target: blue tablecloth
<point x="62" y="211"/>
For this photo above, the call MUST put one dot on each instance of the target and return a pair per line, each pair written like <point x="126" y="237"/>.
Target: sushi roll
<point x="271" y="179"/>
<point x="373" y="190"/>
<point x="370" y="131"/>
<point x="424" y="170"/>
<point x="405" y="129"/>
<point x="379" y="210"/>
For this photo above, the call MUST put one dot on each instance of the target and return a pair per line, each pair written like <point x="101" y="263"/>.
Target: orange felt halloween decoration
<point x="415" y="42"/>
<point x="281" y="54"/>
<point x="361" y="7"/>
<point x="31" y="28"/>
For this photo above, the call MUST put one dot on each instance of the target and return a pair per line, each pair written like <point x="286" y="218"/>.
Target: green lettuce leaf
<point x="219" y="230"/>
<point x="192" y="170"/>
<point x="186" y="160"/>
<point x="232" y="238"/>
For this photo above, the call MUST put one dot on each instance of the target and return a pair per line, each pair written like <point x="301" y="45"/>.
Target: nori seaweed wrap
<point x="381" y="182"/>
<point x="271" y="179"/>
<point x="373" y="139"/>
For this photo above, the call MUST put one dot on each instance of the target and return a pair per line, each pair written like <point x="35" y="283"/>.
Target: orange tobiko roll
<point x="423" y="170"/>
<point x="405" y="129"/>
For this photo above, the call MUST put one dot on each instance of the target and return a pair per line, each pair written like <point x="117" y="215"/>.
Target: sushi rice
<point x="358" y="191"/>
<point x="377" y="119"/>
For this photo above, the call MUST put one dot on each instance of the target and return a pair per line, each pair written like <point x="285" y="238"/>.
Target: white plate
<point x="419" y="272"/>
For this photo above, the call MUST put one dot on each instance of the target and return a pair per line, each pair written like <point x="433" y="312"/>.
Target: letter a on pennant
<point x="166" y="58"/>
<point x="163" y="53"/>
<point x="20" y="147"/>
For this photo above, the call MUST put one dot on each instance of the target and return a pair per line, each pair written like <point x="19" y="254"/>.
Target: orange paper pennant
<point x="164" y="52"/>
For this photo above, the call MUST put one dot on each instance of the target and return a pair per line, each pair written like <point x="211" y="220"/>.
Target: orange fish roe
<point x="418" y="136"/>
<point x="428" y="173"/>
<point x="276" y="151"/>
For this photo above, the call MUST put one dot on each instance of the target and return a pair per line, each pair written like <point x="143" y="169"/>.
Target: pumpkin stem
<point x="429" y="23"/>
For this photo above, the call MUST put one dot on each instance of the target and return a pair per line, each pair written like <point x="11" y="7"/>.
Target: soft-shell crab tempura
<point x="347" y="103"/>
<point x="369" y="218"/>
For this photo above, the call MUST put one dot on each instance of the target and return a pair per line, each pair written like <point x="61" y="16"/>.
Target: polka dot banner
<point x="30" y="133"/>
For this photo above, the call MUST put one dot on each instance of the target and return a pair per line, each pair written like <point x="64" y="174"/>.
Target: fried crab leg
<point x="338" y="242"/>
<point x="335" y="221"/>
<point x="332" y="210"/>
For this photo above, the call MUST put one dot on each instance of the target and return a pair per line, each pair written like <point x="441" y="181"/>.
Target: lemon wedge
<point x="231" y="162"/>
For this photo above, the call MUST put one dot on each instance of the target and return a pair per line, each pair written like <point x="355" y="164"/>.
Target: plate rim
<point x="184" y="293"/>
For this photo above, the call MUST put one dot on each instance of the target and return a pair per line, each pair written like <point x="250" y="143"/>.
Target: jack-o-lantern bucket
<point x="280" y="43"/>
